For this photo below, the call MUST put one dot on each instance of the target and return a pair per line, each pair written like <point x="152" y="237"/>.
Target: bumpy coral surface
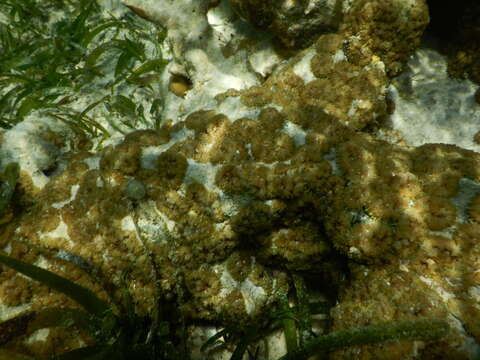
<point x="272" y="175"/>
<point x="295" y="23"/>
<point x="391" y="28"/>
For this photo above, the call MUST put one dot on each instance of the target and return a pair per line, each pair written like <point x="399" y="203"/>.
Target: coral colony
<point x="270" y="160"/>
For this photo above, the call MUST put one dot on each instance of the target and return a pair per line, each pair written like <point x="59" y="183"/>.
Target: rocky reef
<point x="270" y="161"/>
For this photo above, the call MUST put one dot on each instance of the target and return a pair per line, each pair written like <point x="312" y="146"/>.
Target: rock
<point x="390" y="29"/>
<point x="444" y="108"/>
<point x="255" y="172"/>
<point x="296" y="23"/>
<point x="404" y="292"/>
<point x="458" y="31"/>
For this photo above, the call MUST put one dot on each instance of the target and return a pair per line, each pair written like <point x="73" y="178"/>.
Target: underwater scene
<point x="239" y="179"/>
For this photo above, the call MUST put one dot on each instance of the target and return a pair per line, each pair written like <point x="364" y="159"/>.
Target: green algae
<point x="54" y="55"/>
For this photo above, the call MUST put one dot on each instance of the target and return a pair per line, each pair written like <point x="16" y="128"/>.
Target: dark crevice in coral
<point x="51" y="170"/>
<point x="445" y="18"/>
<point x="454" y="30"/>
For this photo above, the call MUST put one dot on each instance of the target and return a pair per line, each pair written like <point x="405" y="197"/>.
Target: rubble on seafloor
<point x="268" y="162"/>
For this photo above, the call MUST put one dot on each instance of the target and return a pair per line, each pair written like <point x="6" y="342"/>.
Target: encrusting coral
<point x="226" y="200"/>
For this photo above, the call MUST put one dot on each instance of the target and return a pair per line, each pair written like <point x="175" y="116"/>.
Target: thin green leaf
<point x="80" y="294"/>
<point x="72" y="123"/>
<point x="125" y="61"/>
<point x="82" y="121"/>
<point x="42" y="55"/>
<point x="135" y="48"/>
<point x="151" y="65"/>
<point x="64" y="100"/>
<point x="94" y="32"/>
<point x="29" y="322"/>
<point x="302" y="309"/>
<point x="27" y="90"/>
<point x="93" y="105"/>
<point x="6" y="102"/>
<point x="241" y="348"/>
<point x="6" y="123"/>
<point x="16" y="78"/>
<point x="7" y="188"/>
<point x="123" y="106"/>
<point x="28" y="104"/>
<point x="423" y="329"/>
<point x="60" y="317"/>
<point x="7" y="41"/>
<point x="95" y="125"/>
<point x="78" y="27"/>
<point x="139" y="114"/>
<point x="92" y="58"/>
<point x="155" y="111"/>
<point x="246" y="336"/>
<point x="289" y="327"/>
<point x="213" y="340"/>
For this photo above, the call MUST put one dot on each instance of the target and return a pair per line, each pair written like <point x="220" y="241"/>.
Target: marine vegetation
<point x="9" y="179"/>
<point x="45" y="63"/>
<point x="119" y="333"/>
<point x="49" y="63"/>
